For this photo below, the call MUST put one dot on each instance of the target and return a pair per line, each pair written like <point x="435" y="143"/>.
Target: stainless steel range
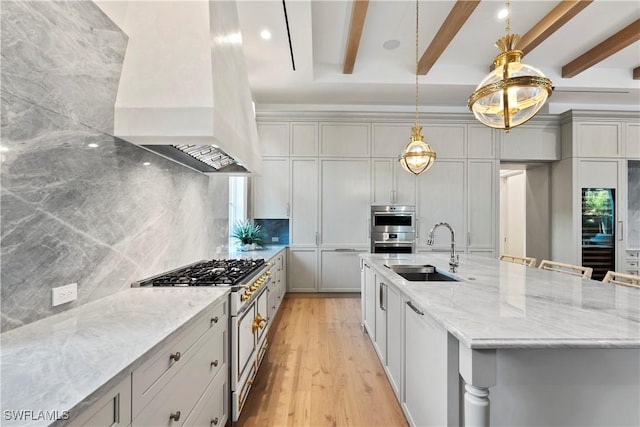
<point x="248" y="281"/>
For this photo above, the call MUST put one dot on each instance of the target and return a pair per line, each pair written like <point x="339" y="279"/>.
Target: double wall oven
<point x="248" y="281"/>
<point x="393" y="229"/>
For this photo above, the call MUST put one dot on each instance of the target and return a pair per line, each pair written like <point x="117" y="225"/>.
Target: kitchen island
<point x="506" y="344"/>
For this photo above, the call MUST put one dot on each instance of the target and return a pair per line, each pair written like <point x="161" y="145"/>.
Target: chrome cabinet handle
<point x="620" y="229"/>
<point x="288" y="210"/>
<point x="214" y="364"/>
<point x="468" y="239"/>
<point x="345" y="250"/>
<point x="175" y="417"/>
<point x="214" y="320"/>
<point x="175" y="356"/>
<point x="317" y="237"/>
<point x="414" y="308"/>
<point x="382" y="296"/>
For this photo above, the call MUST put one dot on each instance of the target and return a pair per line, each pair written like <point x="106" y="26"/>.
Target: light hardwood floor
<point x="320" y="370"/>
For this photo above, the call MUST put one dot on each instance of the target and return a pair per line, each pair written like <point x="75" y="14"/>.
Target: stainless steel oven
<point x="393" y="229"/>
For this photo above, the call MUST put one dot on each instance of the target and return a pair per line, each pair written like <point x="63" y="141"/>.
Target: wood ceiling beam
<point x="560" y="15"/>
<point x="459" y="14"/>
<point x="636" y="73"/>
<point x="613" y="44"/>
<point x="358" y="15"/>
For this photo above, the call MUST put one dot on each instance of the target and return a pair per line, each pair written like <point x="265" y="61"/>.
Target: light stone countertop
<point x="267" y="253"/>
<point x="67" y="361"/>
<point x="498" y="304"/>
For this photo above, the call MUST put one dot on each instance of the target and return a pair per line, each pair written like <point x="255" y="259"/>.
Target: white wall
<point x="513" y="215"/>
<point x="538" y="221"/>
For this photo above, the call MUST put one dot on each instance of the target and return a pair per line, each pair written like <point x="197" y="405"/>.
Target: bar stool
<point x="531" y="262"/>
<point x="622" y="279"/>
<point x="575" y="270"/>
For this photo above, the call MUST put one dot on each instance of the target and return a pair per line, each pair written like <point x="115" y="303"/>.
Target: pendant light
<point x="513" y="92"/>
<point x="417" y="156"/>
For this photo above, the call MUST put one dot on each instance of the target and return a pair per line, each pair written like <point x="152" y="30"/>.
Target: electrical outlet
<point x="64" y="294"/>
<point x="275" y="239"/>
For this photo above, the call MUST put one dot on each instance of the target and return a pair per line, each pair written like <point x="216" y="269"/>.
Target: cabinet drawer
<point x="154" y="374"/>
<point x="212" y="408"/>
<point x="182" y="392"/>
<point x="111" y="410"/>
<point x="633" y="255"/>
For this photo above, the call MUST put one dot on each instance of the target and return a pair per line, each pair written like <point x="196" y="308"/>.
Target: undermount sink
<point x="420" y="273"/>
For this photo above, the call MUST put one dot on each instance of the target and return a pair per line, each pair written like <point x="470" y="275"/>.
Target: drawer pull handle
<point x="176" y="356"/>
<point x="175" y="417"/>
<point x="214" y="363"/>
<point x="214" y="320"/>
<point x="214" y="422"/>
<point x="414" y="308"/>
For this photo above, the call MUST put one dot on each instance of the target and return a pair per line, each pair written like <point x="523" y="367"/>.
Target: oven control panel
<point x="249" y="289"/>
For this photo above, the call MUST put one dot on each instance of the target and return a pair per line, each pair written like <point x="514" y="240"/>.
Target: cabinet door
<point x="274" y="138"/>
<point x="212" y="409"/>
<point x="304" y="202"/>
<point x="271" y="190"/>
<point x="344" y="139"/>
<point x="302" y="270"/>
<point x="431" y="372"/>
<point x="340" y="271"/>
<point x="382" y="180"/>
<point x="441" y="198"/>
<point x="482" y="185"/>
<point x="369" y="301"/>
<point x="304" y="139"/>
<point x="380" y="343"/>
<point x="404" y="192"/>
<point x="345" y="202"/>
<point x="394" y="338"/>
<point x="111" y="410"/>
<point x="599" y="139"/>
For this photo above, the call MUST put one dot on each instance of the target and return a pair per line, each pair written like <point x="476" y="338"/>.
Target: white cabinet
<point x="481" y="142"/>
<point x="111" y="410"/>
<point x="389" y="139"/>
<point x="302" y="266"/>
<point x="368" y="300"/>
<point x="482" y="204"/>
<point x="271" y="189"/>
<point x="274" y="138"/>
<point x="391" y="184"/>
<point x="380" y="343"/>
<point x="304" y="202"/>
<point x="344" y="139"/>
<point x="278" y="285"/>
<point x="431" y="371"/>
<point x="633" y="141"/>
<point x="304" y="139"/>
<point x="530" y="142"/>
<point x="448" y="141"/>
<point x="394" y="312"/>
<point x="340" y="270"/>
<point x="344" y="202"/>
<point x="599" y="139"/>
<point x="441" y="198"/>
<point x="167" y="387"/>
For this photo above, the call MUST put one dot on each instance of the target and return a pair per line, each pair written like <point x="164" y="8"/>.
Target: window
<point x="237" y="202"/>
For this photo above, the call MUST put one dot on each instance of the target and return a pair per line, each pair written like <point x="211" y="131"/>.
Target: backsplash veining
<point x="77" y="204"/>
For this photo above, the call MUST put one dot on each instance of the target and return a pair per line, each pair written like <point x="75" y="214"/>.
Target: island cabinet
<point x="186" y="382"/>
<point x="368" y="300"/>
<point x="431" y="367"/>
<point x="113" y="409"/>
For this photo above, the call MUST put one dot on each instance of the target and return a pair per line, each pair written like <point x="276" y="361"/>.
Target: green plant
<point x="247" y="232"/>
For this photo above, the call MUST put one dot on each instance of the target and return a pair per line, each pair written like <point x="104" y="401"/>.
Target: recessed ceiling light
<point x="93" y="145"/>
<point x="503" y="13"/>
<point x="146" y="164"/>
<point x="391" y="44"/>
<point x="265" y="34"/>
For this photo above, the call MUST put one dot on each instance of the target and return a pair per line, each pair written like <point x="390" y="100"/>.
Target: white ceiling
<point x="319" y="31"/>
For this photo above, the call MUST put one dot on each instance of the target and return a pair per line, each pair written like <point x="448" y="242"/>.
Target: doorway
<point x="525" y="210"/>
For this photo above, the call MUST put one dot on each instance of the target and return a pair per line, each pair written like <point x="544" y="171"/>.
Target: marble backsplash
<point x="77" y="204"/>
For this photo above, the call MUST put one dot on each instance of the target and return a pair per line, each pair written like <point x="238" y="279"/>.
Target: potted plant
<point x="249" y="234"/>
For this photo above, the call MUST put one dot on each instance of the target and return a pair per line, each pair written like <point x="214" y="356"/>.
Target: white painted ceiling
<point x="385" y="79"/>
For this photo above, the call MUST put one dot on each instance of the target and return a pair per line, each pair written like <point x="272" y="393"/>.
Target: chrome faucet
<point x="454" y="260"/>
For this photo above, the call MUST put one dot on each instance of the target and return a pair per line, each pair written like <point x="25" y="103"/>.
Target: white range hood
<point x="184" y="87"/>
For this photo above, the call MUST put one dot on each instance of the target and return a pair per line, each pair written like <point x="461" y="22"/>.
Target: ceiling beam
<point x="613" y="44"/>
<point x="358" y="15"/>
<point x="560" y="15"/>
<point x="459" y="14"/>
<point x="636" y="73"/>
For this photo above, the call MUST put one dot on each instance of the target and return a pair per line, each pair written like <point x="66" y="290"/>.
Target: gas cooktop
<point x="216" y="272"/>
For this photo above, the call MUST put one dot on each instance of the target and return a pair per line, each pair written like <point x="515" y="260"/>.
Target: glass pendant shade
<point x="513" y="92"/>
<point x="417" y="156"/>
